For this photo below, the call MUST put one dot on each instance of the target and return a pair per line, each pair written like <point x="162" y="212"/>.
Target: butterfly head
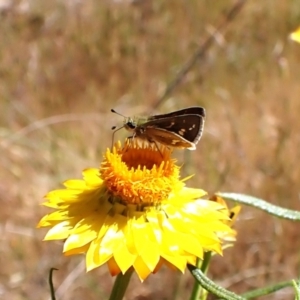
<point x="130" y="124"/>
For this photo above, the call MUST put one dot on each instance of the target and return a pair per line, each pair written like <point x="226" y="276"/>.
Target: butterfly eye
<point x="130" y="124"/>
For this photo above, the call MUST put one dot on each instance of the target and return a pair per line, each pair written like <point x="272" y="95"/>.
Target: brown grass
<point x="63" y="66"/>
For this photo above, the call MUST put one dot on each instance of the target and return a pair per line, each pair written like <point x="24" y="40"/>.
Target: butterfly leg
<point x="151" y="141"/>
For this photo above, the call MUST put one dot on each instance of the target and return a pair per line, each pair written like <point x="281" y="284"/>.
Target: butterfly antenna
<point x="115" y="112"/>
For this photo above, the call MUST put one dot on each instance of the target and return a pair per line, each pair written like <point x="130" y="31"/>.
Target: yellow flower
<point x="295" y="36"/>
<point x="227" y="237"/>
<point x="134" y="211"/>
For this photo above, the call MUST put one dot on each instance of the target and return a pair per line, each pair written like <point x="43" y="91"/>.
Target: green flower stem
<point x="203" y="266"/>
<point x="210" y="286"/>
<point x="120" y="285"/>
<point x="198" y="289"/>
<point x="296" y="285"/>
<point x="268" y="290"/>
<point x="263" y="205"/>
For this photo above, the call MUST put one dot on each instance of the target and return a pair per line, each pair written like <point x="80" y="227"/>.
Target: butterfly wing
<point x="168" y="138"/>
<point x="194" y="110"/>
<point x="182" y="131"/>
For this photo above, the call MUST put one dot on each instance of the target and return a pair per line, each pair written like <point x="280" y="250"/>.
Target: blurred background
<point x="65" y="64"/>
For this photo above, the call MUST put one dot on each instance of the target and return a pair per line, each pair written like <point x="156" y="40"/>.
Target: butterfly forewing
<point x="195" y="110"/>
<point x="186" y="126"/>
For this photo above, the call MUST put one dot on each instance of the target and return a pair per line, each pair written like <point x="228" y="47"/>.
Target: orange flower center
<point x="140" y="174"/>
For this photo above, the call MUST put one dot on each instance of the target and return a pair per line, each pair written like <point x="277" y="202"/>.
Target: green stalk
<point x="120" y="285"/>
<point x="198" y="289"/>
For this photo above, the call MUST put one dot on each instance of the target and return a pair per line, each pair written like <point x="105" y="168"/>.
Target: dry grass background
<point x="65" y="64"/>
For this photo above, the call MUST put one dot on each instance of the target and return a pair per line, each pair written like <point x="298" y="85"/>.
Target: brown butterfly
<point x="179" y="129"/>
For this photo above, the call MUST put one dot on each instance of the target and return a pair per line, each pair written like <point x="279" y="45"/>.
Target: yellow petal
<point x="295" y="36"/>
<point x="59" y="232"/>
